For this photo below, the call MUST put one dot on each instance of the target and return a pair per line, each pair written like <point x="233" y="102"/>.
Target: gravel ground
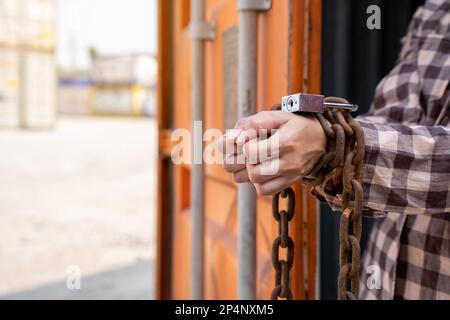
<point x="82" y="195"/>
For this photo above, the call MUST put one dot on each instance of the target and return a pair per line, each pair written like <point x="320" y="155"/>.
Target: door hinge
<point x="202" y="30"/>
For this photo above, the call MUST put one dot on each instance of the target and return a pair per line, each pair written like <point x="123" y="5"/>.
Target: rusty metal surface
<point x="352" y="199"/>
<point x="283" y="240"/>
<point x="344" y="160"/>
<point x="164" y="116"/>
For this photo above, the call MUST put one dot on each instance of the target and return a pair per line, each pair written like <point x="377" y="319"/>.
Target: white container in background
<point x="9" y="88"/>
<point x="8" y="22"/>
<point x="29" y="24"/>
<point x="116" y="101"/>
<point x="125" y="69"/>
<point x="119" y="100"/>
<point x="27" y="64"/>
<point x="38" y="90"/>
<point x="74" y="96"/>
<point x="37" y="21"/>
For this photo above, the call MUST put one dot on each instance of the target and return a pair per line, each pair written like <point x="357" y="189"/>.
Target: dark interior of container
<point x="354" y="60"/>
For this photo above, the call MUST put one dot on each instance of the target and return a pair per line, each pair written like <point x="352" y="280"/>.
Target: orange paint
<point x="282" y="50"/>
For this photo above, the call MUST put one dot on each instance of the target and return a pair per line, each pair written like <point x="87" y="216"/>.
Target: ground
<point x="80" y="196"/>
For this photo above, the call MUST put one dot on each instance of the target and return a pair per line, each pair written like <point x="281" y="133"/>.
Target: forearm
<point x="406" y="168"/>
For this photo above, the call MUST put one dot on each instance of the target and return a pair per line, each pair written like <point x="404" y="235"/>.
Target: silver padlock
<point x="312" y="103"/>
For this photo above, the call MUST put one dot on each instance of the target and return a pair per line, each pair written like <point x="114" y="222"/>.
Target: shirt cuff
<point x="332" y="188"/>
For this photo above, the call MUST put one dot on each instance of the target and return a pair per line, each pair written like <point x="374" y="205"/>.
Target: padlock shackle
<point x="338" y="105"/>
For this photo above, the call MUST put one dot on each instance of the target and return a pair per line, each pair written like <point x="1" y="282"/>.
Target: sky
<point x="111" y="26"/>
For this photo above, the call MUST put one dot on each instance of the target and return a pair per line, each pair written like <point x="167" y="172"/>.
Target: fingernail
<point x="241" y="139"/>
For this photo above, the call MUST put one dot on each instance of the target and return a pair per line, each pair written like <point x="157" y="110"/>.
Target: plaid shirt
<point x="407" y="166"/>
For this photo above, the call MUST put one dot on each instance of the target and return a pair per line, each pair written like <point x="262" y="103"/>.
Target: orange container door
<point x="288" y="62"/>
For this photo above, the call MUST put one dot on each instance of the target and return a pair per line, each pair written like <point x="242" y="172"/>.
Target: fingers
<point x="246" y="136"/>
<point x="264" y="120"/>
<point x="227" y="144"/>
<point x="241" y="176"/>
<point x="263" y="150"/>
<point x="257" y="164"/>
<point x="246" y="129"/>
<point x="273" y="186"/>
<point x="233" y="163"/>
<point x="248" y="159"/>
<point x="264" y="172"/>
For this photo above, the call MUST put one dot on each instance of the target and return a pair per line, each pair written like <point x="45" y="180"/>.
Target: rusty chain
<point x="283" y="240"/>
<point x="352" y="199"/>
<point x="343" y="162"/>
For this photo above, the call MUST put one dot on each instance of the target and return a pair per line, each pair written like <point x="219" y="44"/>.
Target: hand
<point x="277" y="162"/>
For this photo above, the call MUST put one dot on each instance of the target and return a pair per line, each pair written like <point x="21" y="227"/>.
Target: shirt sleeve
<point x="407" y="152"/>
<point x="406" y="168"/>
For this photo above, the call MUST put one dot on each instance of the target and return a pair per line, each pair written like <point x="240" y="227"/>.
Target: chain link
<point x="344" y="161"/>
<point x="352" y="198"/>
<point x="283" y="240"/>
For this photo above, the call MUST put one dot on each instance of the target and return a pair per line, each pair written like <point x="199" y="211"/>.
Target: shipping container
<point x="149" y="106"/>
<point x="9" y="88"/>
<point x="288" y="61"/>
<point x="37" y="24"/>
<point x="123" y="84"/>
<point x="38" y="88"/>
<point x="125" y="69"/>
<point x="28" y="74"/>
<point x="28" y="24"/>
<point x="8" y="22"/>
<point x="125" y="100"/>
<point x="74" y="95"/>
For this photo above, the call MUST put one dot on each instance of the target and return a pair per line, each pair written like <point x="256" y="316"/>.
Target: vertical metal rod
<point x="247" y="82"/>
<point x="318" y="260"/>
<point x="197" y="174"/>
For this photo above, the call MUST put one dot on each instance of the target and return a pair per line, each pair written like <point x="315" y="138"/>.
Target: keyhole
<point x="290" y="104"/>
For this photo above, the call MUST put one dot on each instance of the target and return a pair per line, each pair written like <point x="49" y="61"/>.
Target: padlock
<point x="312" y="103"/>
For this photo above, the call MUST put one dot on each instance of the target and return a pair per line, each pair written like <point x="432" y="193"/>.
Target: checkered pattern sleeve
<point x="406" y="168"/>
<point x="407" y="134"/>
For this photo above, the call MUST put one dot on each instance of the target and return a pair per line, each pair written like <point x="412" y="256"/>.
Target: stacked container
<point x="9" y="65"/>
<point x="27" y="63"/>
<point x="9" y="88"/>
<point x="124" y="85"/>
<point x="74" y="93"/>
<point x="37" y="89"/>
<point x="8" y="22"/>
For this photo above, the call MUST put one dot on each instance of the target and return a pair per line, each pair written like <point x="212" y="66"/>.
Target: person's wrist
<point x="317" y="138"/>
<point x="321" y="137"/>
<point x="313" y="143"/>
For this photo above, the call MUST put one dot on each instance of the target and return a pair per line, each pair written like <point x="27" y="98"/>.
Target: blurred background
<point x="78" y="148"/>
<point x="79" y="140"/>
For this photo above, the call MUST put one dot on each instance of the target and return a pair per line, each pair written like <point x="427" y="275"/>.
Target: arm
<point x="406" y="168"/>
<point x="407" y="158"/>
